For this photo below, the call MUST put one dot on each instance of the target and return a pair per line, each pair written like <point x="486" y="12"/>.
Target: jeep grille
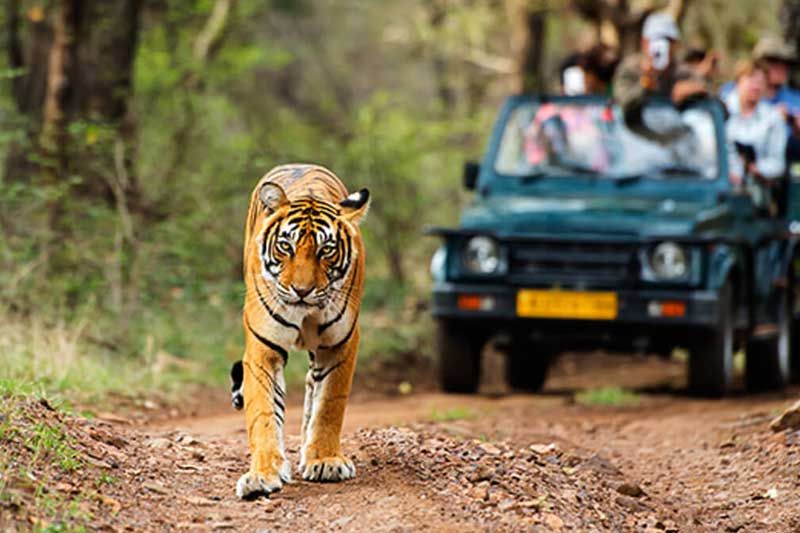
<point x="572" y="263"/>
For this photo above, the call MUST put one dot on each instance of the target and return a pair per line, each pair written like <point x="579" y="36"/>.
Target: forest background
<point x="132" y="131"/>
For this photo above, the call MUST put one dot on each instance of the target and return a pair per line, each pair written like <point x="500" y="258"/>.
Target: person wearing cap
<point x="778" y="57"/>
<point x="655" y="71"/>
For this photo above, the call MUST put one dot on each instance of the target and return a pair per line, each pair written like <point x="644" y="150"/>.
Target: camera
<point x="659" y="53"/>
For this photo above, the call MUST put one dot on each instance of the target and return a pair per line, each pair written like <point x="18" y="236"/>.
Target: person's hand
<point x="684" y="89"/>
<point x="708" y="66"/>
<point x="650" y="74"/>
<point x="736" y="180"/>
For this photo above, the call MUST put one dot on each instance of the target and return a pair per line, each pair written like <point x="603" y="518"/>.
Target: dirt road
<point x="439" y="462"/>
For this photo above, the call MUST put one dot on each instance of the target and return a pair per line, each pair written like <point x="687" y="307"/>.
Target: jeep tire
<point x="528" y="363"/>
<point x="711" y="355"/>
<point x="768" y="362"/>
<point x="459" y="345"/>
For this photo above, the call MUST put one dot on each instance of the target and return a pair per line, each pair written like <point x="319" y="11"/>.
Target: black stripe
<point x="317" y="376"/>
<point x="340" y="314"/>
<point x="268" y="343"/>
<point x="344" y="340"/>
<point x="257" y="378"/>
<point x="278" y="318"/>
<point x="280" y="392"/>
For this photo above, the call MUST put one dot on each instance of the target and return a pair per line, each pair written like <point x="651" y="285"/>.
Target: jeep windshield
<point x="590" y="138"/>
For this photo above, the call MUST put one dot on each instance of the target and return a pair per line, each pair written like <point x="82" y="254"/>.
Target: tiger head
<point x="309" y="246"/>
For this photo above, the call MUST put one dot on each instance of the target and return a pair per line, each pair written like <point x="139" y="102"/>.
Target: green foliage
<point x="46" y="440"/>
<point x="452" y="415"/>
<point x="608" y="396"/>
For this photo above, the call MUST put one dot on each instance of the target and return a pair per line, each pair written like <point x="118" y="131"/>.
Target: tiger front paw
<point x="255" y="484"/>
<point x="336" y="468"/>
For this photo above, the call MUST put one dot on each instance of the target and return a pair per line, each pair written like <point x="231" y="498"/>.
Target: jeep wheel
<point x="768" y="360"/>
<point x="459" y="347"/>
<point x="711" y="356"/>
<point x="527" y="367"/>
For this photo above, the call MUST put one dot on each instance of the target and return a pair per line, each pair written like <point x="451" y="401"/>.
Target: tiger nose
<point x="302" y="292"/>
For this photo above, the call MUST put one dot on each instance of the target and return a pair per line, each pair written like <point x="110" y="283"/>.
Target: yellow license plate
<point x="566" y="304"/>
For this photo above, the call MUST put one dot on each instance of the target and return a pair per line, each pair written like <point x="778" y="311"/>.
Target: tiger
<point x="304" y="267"/>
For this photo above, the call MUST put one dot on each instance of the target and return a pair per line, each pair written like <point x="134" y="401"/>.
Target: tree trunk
<point x="78" y="65"/>
<point x="527" y="45"/>
<point x="436" y="15"/>
<point x="53" y="139"/>
<point x="790" y="22"/>
<point x="30" y="56"/>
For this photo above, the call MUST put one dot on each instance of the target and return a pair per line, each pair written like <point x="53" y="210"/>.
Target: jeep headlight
<point x="669" y="261"/>
<point x="438" y="264"/>
<point x="481" y="255"/>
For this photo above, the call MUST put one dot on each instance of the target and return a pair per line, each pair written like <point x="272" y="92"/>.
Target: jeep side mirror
<point x="471" y="171"/>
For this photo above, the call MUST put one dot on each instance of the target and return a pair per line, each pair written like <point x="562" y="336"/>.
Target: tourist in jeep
<point x="758" y="134"/>
<point x="655" y="72"/>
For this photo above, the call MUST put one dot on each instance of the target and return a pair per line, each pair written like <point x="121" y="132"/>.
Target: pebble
<point x="489" y="448"/>
<point x="552" y="521"/>
<point x="159" y="443"/>
<point x="630" y="489"/>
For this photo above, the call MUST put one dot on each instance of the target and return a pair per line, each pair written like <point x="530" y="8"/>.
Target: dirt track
<point x="670" y="463"/>
<point x="468" y="463"/>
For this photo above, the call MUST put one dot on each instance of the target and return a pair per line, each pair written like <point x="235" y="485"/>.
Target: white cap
<point x="660" y="25"/>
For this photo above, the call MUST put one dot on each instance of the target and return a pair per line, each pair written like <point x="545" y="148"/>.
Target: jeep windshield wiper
<point x="558" y="169"/>
<point x="677" y="170"/>
<point x="625" y="179"/>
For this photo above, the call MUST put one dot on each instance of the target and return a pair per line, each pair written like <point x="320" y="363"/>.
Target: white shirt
<point x="764" y="129"/>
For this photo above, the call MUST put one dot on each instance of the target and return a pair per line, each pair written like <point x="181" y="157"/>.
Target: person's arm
<point x="771" y="162"/>
<point x="628" y="88"/>
<point x="735" y="165"/>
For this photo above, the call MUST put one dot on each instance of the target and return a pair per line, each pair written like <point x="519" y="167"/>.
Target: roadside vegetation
<point x="607" y="397"/>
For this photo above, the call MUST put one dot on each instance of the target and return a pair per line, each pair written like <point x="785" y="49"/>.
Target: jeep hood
<point x="607" y="216"/>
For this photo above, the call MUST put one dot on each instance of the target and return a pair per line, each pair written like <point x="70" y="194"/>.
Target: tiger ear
<point x="272" y="196"/>
<point x="355" y="206"/>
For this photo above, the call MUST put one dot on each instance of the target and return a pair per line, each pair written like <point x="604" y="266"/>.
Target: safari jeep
<point x="590" y="230"/>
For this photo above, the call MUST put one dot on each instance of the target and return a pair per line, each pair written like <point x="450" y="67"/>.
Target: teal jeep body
<point x="587" y="230"/>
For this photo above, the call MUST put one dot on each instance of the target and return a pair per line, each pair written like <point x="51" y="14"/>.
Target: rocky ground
<point x="425" y="462"/>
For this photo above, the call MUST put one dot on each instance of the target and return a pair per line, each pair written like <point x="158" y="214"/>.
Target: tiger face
<point x="306" y="248"/>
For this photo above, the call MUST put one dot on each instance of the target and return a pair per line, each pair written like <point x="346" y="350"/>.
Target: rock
<point x="155" y="487"/>
<point x="159" y="443"/>
<point x="111" y="417"/>
<point x="197" y="500"/>
<point x="481" y="473"/>
<point x="631" y="504"/>
<point x="489" y="448"/>
<point x="543" y="449"/>
<point x="187" y="440"/>
<point x="553" y="522"/>
<point x="340" y="522"/>
<point x="506" y="505"/>
<point x="789" y="419"/>
<point x="630" y="489"/>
